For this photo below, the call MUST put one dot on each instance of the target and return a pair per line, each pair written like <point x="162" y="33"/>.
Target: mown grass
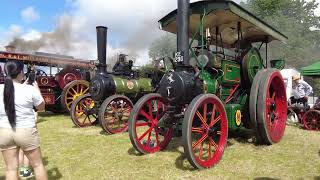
<point x="73" y="153"/>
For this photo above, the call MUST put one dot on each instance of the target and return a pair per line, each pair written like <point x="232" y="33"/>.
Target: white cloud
<point x="29" y="14"/>
<point x="133" y="25"/>
<point x="31" y="35"/>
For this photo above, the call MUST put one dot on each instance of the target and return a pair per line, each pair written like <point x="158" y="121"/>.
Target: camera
<point x="31" y="75"/>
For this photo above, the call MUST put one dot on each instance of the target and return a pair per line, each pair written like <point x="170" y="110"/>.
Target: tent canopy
<point x="312" y="70"/>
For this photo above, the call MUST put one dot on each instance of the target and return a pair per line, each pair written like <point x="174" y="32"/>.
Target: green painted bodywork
<point x="278" y="64"/>
<point x="255" y="62"/>
<point x="210" y="84"/>
<point x="232" y="72"/>
<point x="208" y="19"/>
<point x="132" y="86"/>
<point x="231" y="110"/>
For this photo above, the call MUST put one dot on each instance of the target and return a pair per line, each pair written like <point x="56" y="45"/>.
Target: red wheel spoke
<point x="199" y="141"/>
<point x="273" y="96"/>
<point x="158" y="109"/>
<point x="215" y="121"/>
<point x="119" y="123"/>
<point x="145" y="133"/>
<point x="149" y="138"/>
<point x="142" y="124"/>
<point x="214" y="144"/>
<point x="196" y="130"/>
<point x="213" y="115"/>
<point x="202" y="119"/>
<point x="201" y="151"/>
<point x="150" y="109"/>
<point x="143" y="113"/>
<point x="209" y="149"/>
<point x="205" y="112"/>
<point x="159" y="105"/>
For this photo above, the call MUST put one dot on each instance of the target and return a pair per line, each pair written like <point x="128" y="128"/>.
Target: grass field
<point x="73" y="153"/>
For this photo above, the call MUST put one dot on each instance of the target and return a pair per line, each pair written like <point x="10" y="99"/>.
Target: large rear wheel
<point x="271" y="107"/>
<point x="83" y="111"/>
<point x="311" y="120"/>
<point x="253" y="102"/>
<point x="147" y="130"/>
<point x="205" y="131"/>
<point x="114" y="114"/>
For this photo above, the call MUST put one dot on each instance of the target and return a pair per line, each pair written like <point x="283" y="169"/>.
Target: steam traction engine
<point x="220" y="84"/>
<point x="61" y="79"/>
<point x="111" y="93"/>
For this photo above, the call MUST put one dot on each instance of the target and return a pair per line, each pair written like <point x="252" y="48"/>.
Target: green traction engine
<point x="111" y="93"/>
<point x="219" y="82"/>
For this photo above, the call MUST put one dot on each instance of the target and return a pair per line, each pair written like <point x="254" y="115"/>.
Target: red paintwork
<point x="117" y="126"/>
<point x="276" y="95"/>
<point x="154" y="133"/>
<point x="207" y="145"/>
<point x="231" y="93"/>
<point x="67" y="75"/>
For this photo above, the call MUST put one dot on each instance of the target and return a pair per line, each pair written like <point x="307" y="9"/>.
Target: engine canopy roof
<point x="225" y="15"/>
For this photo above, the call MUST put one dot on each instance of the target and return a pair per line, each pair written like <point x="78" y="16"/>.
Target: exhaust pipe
<point x="183" y="30"/>
<point x="102" y="48"/>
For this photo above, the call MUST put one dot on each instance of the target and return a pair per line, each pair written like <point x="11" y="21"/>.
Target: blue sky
<point x="48" y="10"/>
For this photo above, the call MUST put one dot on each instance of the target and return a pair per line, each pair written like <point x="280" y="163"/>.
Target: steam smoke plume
<point x="57" y="41"/>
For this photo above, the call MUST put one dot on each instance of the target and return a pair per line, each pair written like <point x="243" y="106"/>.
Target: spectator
<point x="17" y="121"/>
<point x="301" y="91"/>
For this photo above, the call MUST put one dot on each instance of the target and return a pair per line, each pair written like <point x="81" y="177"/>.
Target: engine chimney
<point x="183" y="30"/>
<point x="102" y="48"/>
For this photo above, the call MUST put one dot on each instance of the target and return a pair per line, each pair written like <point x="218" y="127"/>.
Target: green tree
<point x="297" y="20"/>
<point x="163" y="46"/>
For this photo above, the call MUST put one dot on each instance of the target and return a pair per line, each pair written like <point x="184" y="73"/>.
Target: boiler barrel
<point x="132" y="86"/>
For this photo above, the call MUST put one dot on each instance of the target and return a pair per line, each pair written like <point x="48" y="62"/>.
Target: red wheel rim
<point x="209" y="133"/>
<point x="276" y="107"/>
<point x="84" y="113"/>
<point x="149" y="134"/>
<point x="311" y="120"/>
<point x="117" y="114"/>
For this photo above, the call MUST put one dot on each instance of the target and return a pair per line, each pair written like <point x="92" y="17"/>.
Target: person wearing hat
<point x="301" y="91"/>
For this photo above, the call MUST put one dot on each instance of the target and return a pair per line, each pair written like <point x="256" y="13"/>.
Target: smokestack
<point x="102" y="48"/>
<point x="10" y="48"/>
<point x="183" y="30"/>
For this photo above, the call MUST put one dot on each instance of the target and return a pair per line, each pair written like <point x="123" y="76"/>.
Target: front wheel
<point x="147" y="130"/>
<point x="83" y="112"/>
<point x="205" y="131"/>
<point x="114" y="114"/>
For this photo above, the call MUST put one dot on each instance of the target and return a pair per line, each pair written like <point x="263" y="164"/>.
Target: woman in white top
<point x="17" y="121"/>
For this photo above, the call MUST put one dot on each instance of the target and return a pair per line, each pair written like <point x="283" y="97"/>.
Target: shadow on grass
<point x="243" y="136"/>
<point x="53" y="173"/>
<point x="317" y="178"/>
<point x="133" y="152"/>
<point x="265" y="178"/>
